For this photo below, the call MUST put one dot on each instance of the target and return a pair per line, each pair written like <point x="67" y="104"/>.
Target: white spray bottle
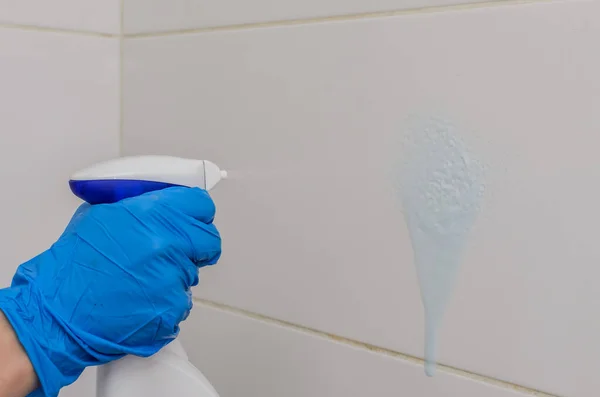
<point x="169" y="372"/>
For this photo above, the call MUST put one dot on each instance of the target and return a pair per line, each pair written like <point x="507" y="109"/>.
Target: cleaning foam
<point x="441" y="191"/>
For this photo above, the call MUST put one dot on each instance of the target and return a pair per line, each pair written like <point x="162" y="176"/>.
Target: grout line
<point x="121" y="76"/>
<point x="44" y="29"/>
<point x="373" y="348"/>
<point x="280" y="23"/>
<point x="341" y="18"/>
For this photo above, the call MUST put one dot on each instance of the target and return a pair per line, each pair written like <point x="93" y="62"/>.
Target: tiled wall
<point x="318" y="266"/>
<point x="59" y="111"/>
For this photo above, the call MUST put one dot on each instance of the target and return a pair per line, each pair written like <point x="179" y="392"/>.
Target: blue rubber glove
<point x="116" y="282"/>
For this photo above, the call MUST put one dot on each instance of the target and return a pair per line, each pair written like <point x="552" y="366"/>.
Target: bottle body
<point x="166" y="374"/>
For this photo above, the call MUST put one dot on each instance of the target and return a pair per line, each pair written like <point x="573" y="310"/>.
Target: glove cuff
<point x="22" y="309"/>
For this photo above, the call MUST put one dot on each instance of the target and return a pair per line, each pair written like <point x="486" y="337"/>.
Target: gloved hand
<point x="116" y="282"/>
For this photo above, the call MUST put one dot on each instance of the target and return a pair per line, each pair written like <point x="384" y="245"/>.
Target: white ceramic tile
<point x="166" y="15"/>
<point x="101" y="16"/>
<point x="59" y="111"/>
<point x="245" y="357"/>
<point x="307" y="117"/>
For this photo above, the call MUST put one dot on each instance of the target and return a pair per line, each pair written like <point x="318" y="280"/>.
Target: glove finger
<point x="193" y="202"/>
<point x="76" y="218"/>
<point x="178" y="311"/>
<point x="204" y="243"/>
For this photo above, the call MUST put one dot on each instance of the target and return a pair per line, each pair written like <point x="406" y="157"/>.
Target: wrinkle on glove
<point x="116" y="282"/>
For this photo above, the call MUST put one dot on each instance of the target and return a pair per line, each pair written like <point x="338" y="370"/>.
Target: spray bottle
<point x="168" y="372"/>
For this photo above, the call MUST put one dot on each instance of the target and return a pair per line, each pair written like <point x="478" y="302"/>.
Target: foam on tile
<point x="441" y="192"/>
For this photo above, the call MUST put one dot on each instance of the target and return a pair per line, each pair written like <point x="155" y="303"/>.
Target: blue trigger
<point x="105" y="191"/>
